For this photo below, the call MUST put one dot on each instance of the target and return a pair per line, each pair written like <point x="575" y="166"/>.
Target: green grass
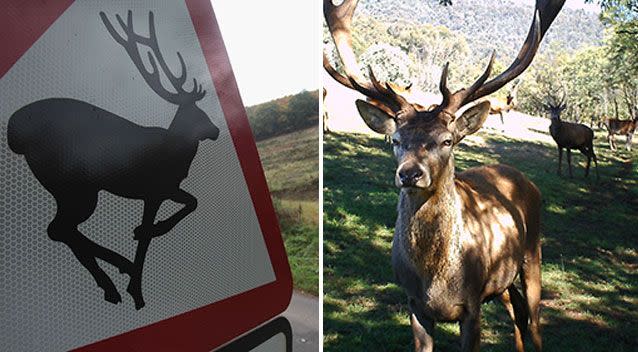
<point x="590" y="249"/>
<point x="291" y="164"/>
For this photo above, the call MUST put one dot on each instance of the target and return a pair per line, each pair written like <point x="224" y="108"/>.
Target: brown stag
<point x="568" y="135"/>
<point x="620" y="127"/>
<point x="459" y="240"/>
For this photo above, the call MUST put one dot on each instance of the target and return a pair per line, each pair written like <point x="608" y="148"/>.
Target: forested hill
<point x="284" y="115"/>
<point x="490" y="24"/>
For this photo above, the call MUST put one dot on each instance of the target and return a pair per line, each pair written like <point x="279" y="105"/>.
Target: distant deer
<point x="76" y="149"/>
<point x="498" y="106"/>
<point x="461" y="239"/>
<point x="569" y="135"/>
<point x="619" y="127"/>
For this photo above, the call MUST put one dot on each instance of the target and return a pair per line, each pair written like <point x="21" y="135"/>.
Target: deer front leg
<point x="560" y="158"/>
<point x="471" y="332"/>
<point x="423" y="331"/>
<point x="569" y="162"/>
<point x="190" y="204"/>
<point x="143" y="234"/>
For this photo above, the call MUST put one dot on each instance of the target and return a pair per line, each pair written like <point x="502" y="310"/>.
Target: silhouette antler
<point x="152" y="78"/>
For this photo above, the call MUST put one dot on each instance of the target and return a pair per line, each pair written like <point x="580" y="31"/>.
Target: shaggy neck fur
<point x="430" y="225"/>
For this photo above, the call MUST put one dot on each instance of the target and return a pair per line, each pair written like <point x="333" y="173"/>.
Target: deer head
<point x="424" y="138"/>
<point x="190" y="120"/>
<point x="552" y="104"/>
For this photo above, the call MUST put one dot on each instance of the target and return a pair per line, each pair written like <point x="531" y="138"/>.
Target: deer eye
<point x="447" y="143"/>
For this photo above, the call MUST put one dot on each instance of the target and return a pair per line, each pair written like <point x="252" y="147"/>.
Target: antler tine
<point x="177" y="82"/>
<point x="339" y="20"/>
<point x="445" y="91"/>
<point x="544" y="14"/>
<point x="467" y="93"/>
<point x="335" y="74"/>
<point x="152" y="78"/>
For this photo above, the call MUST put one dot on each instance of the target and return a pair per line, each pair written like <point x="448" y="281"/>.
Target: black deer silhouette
<point x="76" y="149"/>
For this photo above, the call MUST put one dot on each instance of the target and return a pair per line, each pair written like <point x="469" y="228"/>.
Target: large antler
<point x="552" y="100"/>
<point x="339" y="20"/>
<point x="544" y="14"/>
<point x="152" y="78"/>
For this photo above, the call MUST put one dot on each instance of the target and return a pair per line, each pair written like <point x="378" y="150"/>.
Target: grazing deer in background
<point x="76" y="149"/>
<point x="619" y="127"/>
<point x="569" y="135"/>
<point x="461" y="239"/>
<point x="498" y="106"/>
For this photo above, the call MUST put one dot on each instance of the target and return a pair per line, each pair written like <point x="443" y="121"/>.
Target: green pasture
<point x="291" y="164"/>
<point x="590" y="248"/>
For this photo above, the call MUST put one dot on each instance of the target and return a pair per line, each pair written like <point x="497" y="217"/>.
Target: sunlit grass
<point x="590" y="261"/>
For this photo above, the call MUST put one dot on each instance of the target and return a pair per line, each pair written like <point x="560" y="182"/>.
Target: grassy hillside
<point x="291" y="163"/>
<point x="590" y="257"/>
<point x="288" y="143"/>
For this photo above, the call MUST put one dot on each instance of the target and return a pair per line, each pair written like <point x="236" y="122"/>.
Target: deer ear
<point x="378" y="120"/>
<point x="471" y="120"/>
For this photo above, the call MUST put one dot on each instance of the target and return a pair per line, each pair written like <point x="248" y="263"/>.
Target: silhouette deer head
<point x="190" y="120"/>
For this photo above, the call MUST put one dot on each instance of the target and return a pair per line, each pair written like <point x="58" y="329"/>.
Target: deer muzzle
<point x="212" y="133"/>
<point x="412" y="175"/>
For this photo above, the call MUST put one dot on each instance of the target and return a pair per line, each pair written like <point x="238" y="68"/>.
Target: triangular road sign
<point x="136" y="215"/>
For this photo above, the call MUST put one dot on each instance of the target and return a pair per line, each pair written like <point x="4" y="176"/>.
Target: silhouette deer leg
<point x="515" y="306"/>
<point x="629" y="137"/>
<point x="569" y="162"/>
<point x="190" y="204"/>
<point x="147" y="231"/>
<point x="610" y="137"/>
<point x="560" y="158"/>
<point x="63" y="228"/>
<point x="143" y="234"/>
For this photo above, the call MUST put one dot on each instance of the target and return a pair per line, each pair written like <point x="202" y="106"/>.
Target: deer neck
<point x="183" y="127"/>
<point x="430" y="225"/>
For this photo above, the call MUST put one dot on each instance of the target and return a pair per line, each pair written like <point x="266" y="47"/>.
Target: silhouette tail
<point x="18" y="132"/>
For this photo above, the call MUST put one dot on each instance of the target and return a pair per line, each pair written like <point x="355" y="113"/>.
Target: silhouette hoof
<point x="112" y="297"/>
<point x="139" y="305"/>
<point x="136" y="294"/>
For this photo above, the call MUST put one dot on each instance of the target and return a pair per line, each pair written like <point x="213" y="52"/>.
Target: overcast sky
<point x="274" y="45"/>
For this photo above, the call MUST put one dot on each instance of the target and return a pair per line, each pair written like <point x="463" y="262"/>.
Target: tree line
<point x="284" y="115"/>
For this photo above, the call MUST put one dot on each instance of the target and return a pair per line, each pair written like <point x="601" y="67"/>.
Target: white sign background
<point x="48" y="299"/>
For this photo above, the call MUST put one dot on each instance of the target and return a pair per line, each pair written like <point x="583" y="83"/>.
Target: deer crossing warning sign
<point x="135" y="213"/>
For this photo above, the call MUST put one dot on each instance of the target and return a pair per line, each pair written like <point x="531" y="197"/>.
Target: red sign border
<point x="200" y="329"/>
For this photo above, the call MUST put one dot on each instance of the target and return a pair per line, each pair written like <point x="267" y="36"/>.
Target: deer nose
<point x="409" y="177"/>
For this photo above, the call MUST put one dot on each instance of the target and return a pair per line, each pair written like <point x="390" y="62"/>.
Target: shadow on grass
<point x="590" y="252"/>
